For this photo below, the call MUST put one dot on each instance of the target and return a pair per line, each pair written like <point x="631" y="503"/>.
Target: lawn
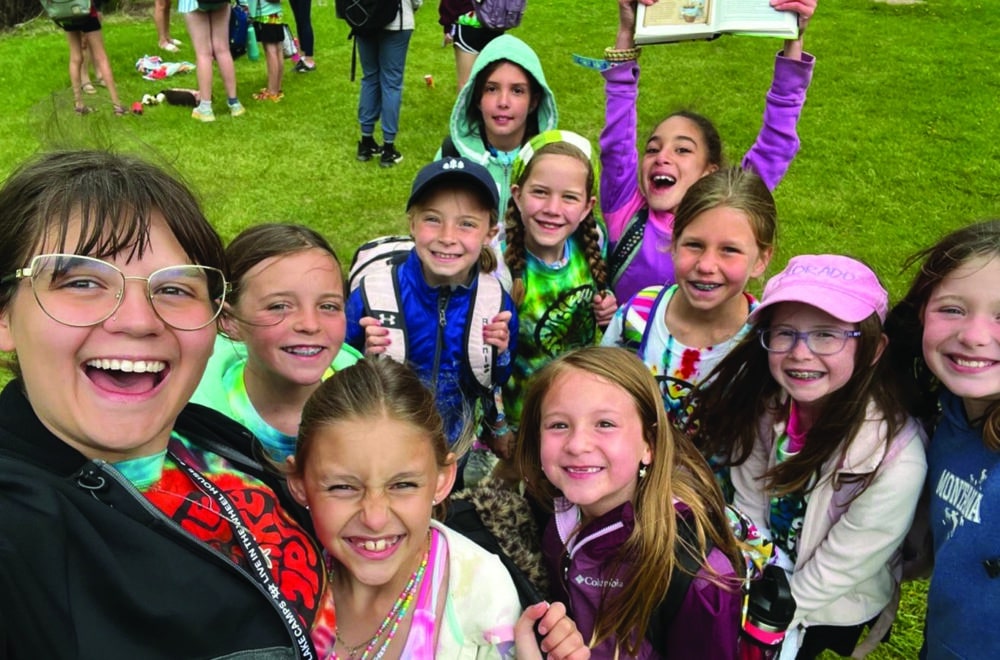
<point x="900" y="135"/>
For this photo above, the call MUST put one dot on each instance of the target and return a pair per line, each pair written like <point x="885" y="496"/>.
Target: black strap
<point x="627" y="245"/>
<point x="448" y="148"/>
<point x="255" y="557"/>
<point x="686" y="565"/>
<point x="354" y="55"/>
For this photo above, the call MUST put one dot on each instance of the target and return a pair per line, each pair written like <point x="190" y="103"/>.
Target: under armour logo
<point x="387" y="319"/>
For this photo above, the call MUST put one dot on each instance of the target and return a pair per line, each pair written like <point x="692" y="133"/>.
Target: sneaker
<point x="304" y="67"/>
<point x="205" y="116"/>
<point x="237" y="109"/>
<point x="265" y="95"/>
<point x="390" y="156"/>
<point x="366" y="151"/>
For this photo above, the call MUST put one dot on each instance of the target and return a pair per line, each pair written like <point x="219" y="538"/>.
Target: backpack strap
<point x="382" y="300"/>
<point x="627" y="246"/>
<point x="448" y="148"/>
<point x="377" y="254"/>
<point x="686" y="566"/>
<point x="481" y="358"/>
<point x="380" y="292"/>
<point x="635" y="318"/>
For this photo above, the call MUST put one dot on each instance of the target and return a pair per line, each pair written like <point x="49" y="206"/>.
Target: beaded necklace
<point x="391" y="621"/>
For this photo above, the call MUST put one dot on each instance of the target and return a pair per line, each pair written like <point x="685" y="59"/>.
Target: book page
<point x="737" y="14"/>
<point x="678" y="12"/>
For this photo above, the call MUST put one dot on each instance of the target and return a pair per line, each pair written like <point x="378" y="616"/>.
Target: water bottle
<point x="770" y="608"/>
<point x="253" y="50"/>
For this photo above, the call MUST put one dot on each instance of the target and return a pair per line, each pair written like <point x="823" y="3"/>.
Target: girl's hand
<point x="502" y="445"/>
<point x="804" y="8"/>
<point x="376" y="337"/>
<point x="560" y="638"/>
<point x="497" y="332"/>
<point x="605" y="305"/>
<point x="626" y="22"/>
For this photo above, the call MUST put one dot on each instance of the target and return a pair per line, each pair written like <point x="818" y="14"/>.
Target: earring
<point x="434" y="502"/>
<point x="642" y="470"/>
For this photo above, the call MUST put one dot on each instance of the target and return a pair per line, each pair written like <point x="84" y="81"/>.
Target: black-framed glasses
<point x="821" y="342"/>
<point x="81" y="291"/>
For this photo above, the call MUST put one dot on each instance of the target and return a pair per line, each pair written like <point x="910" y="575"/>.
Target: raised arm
<point x="619" y="156"/>
<point x="778" y="141"/>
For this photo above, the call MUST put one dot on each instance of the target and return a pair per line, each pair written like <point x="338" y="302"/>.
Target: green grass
<point x="900" y="135"/>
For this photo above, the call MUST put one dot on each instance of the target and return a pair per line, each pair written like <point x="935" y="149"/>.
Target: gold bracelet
<point x="622" y="54"/>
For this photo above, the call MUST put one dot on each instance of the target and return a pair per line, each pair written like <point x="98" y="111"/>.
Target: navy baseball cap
<point x="463" y="170"/>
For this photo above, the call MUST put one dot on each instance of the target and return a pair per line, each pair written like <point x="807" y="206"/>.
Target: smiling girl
<point x="122" y="509"/>
<point x="825" y="460"/>
<point x="631" y="497"/>
<point x="452" y="220"/>
<point x="641" y="189"/>
<point x="505" y="103"/>
<point x="949" y="323"/>
<point x="723" y="236"/>
<point x="556" y="256"/>
<point x="284" y="327"/>
<point x="371" y="465"/>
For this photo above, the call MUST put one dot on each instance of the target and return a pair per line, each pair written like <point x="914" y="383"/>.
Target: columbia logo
<point x="605" y="583"/>
<point x="453" y="164"/>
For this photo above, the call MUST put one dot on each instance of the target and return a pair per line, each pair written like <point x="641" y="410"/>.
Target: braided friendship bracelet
<point x="622" y="54"/>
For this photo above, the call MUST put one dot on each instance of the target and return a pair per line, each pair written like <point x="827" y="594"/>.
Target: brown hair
<point x="267" y="240"/>
<point x="112" y="198"/>
<point x="371" y="388"/>
<point x="905" y="327"/>
<point x="735" y="188"/>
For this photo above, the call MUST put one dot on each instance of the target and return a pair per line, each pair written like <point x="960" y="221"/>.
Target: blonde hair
<point x="677" y="473"/>
<point x="586" y="232"/>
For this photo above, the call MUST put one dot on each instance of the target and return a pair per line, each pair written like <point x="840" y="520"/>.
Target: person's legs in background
<point x="302" y="11"/>
<point x="199" y="27"/>
<point x="370" y="99"/>
<point x="392" y="63"/>
<point x="219" y="39"/>
<point x="161" y="17"/>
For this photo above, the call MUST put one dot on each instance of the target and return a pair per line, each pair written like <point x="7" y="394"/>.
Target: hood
<point x="465" y="133"/>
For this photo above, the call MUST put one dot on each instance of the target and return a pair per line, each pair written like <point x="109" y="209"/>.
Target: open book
<point x="681" y="20"/>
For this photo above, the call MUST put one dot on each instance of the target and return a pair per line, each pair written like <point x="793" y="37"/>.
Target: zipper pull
<point x="91" y="479"/>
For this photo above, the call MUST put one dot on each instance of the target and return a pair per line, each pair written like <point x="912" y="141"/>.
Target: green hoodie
<point x="466" y="135"/>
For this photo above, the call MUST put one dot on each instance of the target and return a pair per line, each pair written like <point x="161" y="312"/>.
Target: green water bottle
<point x="253" y="50"/>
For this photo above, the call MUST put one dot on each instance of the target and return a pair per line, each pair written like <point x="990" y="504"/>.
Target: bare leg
<point x="95" y="43"/>
<point x="161" y="17"/>
<point x="200" y="30"/>
<point x="75" y="41"/>
<point x="219" y="29"/>
<point x="463" y="66"/>
<point x="275" y="67"/>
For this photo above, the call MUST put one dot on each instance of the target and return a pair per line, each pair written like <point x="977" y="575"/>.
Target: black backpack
<point x="367" y="17"/>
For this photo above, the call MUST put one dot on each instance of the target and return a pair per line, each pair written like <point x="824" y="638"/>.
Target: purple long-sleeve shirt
<point x="771" y="154"/>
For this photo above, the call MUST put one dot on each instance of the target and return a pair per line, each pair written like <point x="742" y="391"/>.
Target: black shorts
<point x="88" y="23"/>
<point x="269" y="33"/>
<point x="473" y="39"/>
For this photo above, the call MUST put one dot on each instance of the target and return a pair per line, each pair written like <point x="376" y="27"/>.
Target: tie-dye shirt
<point x="640" y="326"/>
<point x="292" y="558"/>
<point x="223" y="389"/>
<point x="480" y="604"/>
<point x="555" y="316"/>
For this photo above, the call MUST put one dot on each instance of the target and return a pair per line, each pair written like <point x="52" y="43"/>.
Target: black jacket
<point x="90" y="569"/>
